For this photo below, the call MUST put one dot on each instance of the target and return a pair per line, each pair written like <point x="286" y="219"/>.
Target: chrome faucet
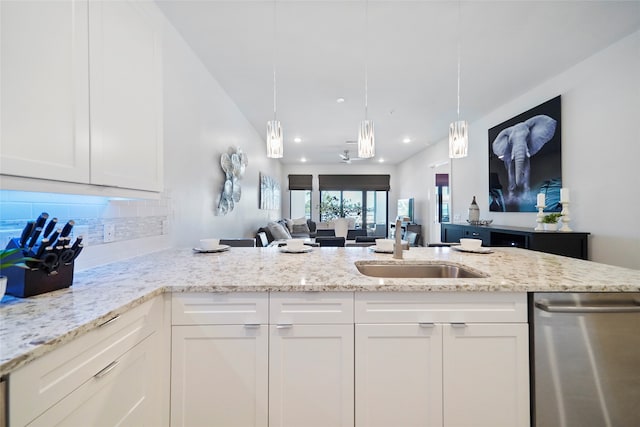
<point x="397" y="248"/>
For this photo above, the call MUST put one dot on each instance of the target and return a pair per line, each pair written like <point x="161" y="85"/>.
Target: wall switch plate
<point x="109" y="233"/>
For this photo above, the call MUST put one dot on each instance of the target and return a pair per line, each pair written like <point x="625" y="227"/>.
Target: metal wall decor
<point x="234" y="162"/>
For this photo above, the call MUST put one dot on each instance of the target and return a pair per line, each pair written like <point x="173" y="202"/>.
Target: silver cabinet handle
<point x="104" y="371"/>
<point x="458" y="325"/>
<point x="252" y="325"/>
<point x="475" y="234"/>
<point x="426" y="324"/>
<point x="113" y="319"/>
<point x="545" y="306"/>
<point x="284" y="326"/>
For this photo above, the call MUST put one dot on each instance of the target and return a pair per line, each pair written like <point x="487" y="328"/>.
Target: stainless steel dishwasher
<point x="585" y="359"/>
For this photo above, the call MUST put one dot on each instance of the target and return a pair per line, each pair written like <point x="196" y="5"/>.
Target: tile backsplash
<point x="132" y="219"/>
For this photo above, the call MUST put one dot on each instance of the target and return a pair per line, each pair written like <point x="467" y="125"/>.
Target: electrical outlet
<point x="109" y="233"/>
<point x="82" y="230"/>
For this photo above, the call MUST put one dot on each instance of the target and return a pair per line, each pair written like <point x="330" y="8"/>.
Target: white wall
<point x="416" y="176"/>
<point x="337" y="169"/>
<point x="201" y="122"/>
<point x="600" y="152"/>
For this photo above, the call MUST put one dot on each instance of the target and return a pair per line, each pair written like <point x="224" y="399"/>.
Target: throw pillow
<point x="278" y="231"/>
<point x="300" y="229"/>
<point x="299" y="221"/>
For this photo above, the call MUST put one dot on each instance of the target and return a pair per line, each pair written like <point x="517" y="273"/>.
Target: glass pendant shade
<point x="366" y="140"/>
<point x="275" y="144"/>
<point x="458" y="139"/>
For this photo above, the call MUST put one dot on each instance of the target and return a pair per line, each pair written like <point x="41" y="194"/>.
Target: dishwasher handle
<point x="634" y="307"/>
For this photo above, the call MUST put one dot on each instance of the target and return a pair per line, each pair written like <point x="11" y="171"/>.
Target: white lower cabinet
<point x="219" y="375"/>
<point x="398" y="375"/>
<point x="111" y="376"/>
<point x="437" y="361"/>
<point x="376" y="359"/>
<point x="311" y="376"/>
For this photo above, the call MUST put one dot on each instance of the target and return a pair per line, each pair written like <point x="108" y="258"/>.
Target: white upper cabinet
<point x="126" y="94"/>
<point x="44" y="90"/>
<point x="81" y="93"/>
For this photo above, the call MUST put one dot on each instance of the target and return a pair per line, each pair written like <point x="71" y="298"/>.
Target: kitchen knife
<point x="42" y="219"/>
<point x="54" y="236"/>
<point x="77" y="242"/>
<point x="67" y="228"/>
<point x="43" y="245"/>
<point x="77" y="251"/>
<point x="26" y="233"/>
<point x="34" y="237"/>
<point x="50" y="227"/>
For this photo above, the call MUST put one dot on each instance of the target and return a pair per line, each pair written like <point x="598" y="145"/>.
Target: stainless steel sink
<point x="425" y="270"/>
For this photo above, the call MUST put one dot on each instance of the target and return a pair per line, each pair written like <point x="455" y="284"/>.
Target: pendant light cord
<point x="366" y="59"/>
<point x="458" y="31"/>
<point x="275" y="22"/>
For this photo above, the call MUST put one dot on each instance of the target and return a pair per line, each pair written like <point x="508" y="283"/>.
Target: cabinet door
<point x="398" y="375"/>
<point x="44" y="90"/>
<point x="311" y="376"/>
<point x="219" y="375"/>
<point x="451" y="233"/>
<point x="126" y="94"/>
<point x="486" y="375"/>
<point x="124" y="393"/>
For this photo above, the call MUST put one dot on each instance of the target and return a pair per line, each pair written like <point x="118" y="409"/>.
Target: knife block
<point x="28" y="282"/>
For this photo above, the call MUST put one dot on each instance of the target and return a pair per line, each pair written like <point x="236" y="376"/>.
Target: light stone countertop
<point x="32" y="327"/>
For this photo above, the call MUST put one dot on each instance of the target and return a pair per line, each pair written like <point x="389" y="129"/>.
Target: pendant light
<point x="458" y="130"/>
<point x="366" y="134"/>
<point x="275" y="140"/>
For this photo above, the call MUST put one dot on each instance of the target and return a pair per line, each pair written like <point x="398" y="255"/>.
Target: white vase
<point x="550" y="227"/>
<point x="3" y="286"/>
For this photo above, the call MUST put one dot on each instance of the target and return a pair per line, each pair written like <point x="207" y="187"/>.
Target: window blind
<point x="300" y="182"/>
<point x="354" y="182"/>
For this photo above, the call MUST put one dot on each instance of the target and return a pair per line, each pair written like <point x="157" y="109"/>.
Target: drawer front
<point x="40" y="384"/>
<point x="442" y="307"/>
<point x="477" y="233"/>
<point x="220" y="309"/>
<point x="311" y="308"/>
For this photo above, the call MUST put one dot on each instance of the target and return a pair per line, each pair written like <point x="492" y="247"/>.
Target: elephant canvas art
<point x="524" y="160"/>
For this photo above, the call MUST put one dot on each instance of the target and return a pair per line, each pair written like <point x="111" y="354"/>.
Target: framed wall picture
<point x="269" y="192"/>
<point x="525" y="159"/>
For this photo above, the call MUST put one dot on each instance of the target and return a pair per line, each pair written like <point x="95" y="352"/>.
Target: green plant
<point x="551" y="218"/>
<point x="8" y="260"/>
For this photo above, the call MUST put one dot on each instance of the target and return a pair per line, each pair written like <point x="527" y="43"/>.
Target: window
<point x="300" y="187"/>
<point x="363" y="197"/>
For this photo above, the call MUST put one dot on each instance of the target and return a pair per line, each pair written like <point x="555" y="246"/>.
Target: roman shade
<point x="300" y="182"/>
<point x="354" y="182"/>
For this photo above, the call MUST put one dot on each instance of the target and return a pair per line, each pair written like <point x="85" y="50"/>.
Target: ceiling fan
<point x="346" y="158"/>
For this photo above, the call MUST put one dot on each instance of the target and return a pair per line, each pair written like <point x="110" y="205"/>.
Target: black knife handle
<point x="34" y="237"/>
<point x="42" y="219"/>
<point x="26" y="233"/>
<point x="54" y="236"/>
<point x="50" y="227"/>
<point x="67" y="228"/>
<point x="77" y="242"/>
<point x="77" y="251"/>
<point x="43" y="245"/>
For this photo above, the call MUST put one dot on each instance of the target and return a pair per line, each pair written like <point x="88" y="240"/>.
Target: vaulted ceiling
<point x="320" y="49"/>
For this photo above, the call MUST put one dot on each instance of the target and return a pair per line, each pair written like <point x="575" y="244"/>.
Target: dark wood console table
<point x="571" y="244"/>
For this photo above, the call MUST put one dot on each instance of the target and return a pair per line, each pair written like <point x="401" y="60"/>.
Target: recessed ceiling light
<point x="406" y="140"/>
<point x="381" y="160"/>
<point x="297" y="139"/>
<point x="340" y="100"/>
<point x="303" y="159"/>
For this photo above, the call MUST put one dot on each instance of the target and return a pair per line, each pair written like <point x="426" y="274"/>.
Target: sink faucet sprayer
<point x="397" y="248"/>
